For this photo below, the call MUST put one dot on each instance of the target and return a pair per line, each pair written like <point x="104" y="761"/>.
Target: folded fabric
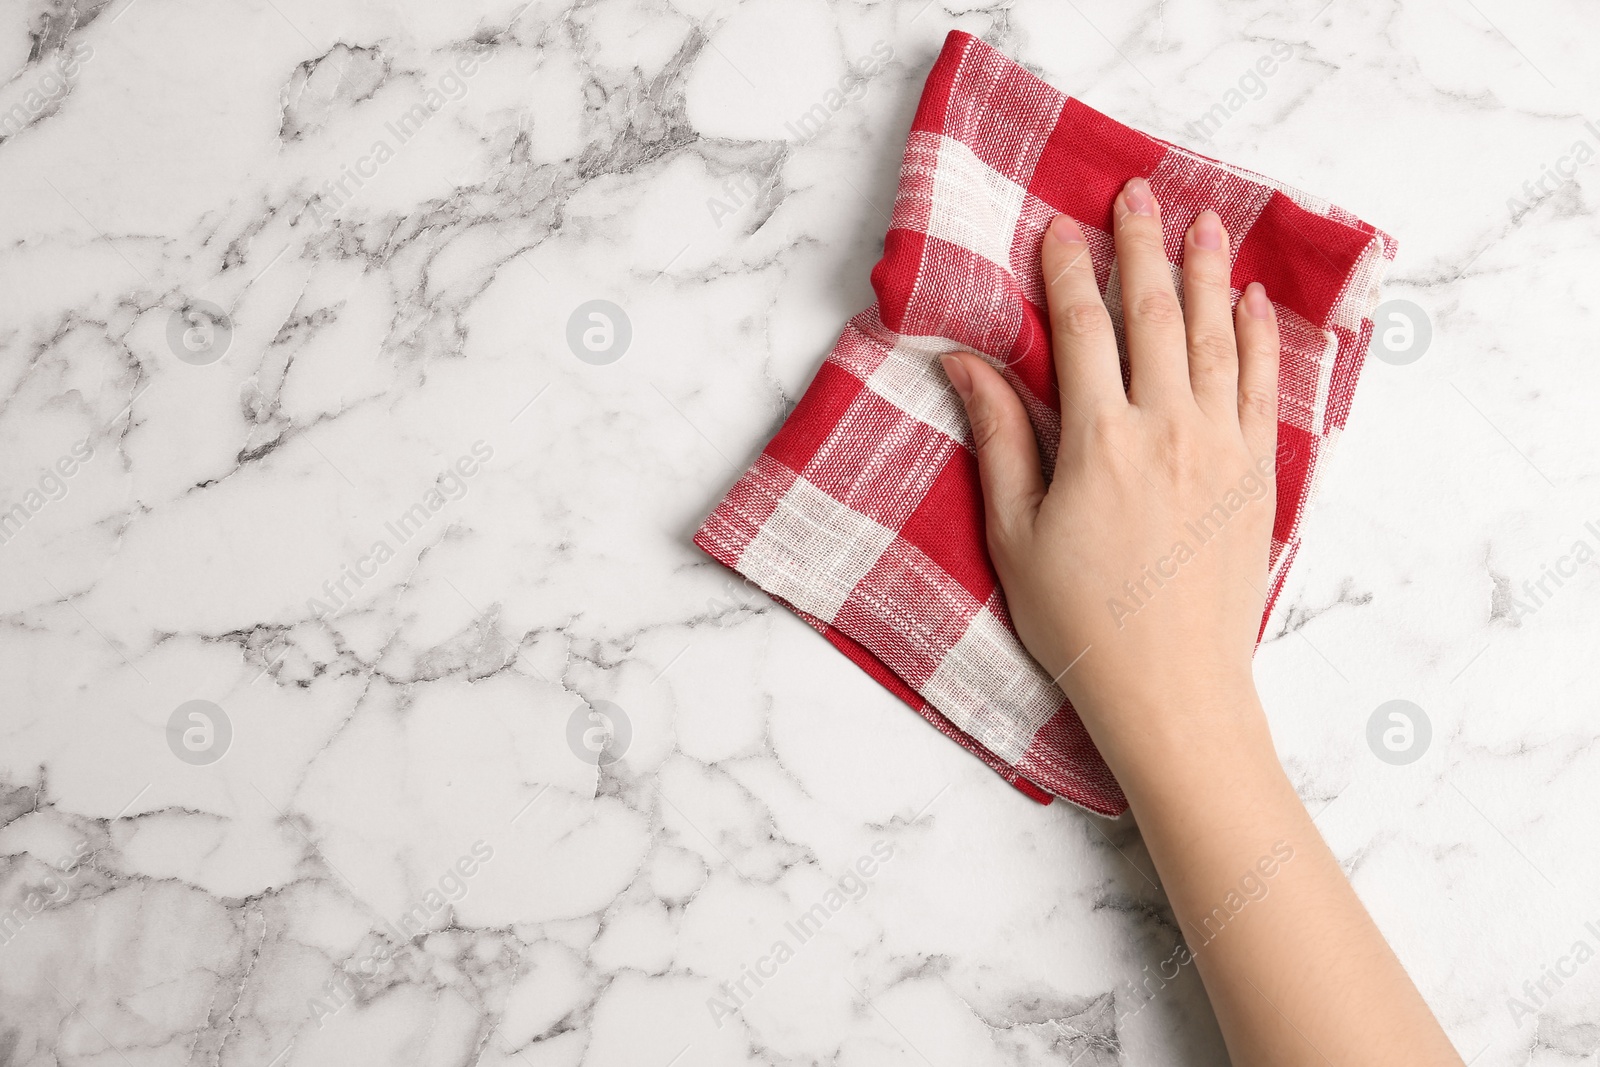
<point x="863" y="513"/>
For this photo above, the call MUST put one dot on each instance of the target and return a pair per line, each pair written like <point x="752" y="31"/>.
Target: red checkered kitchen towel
<point x="863" y="513"/>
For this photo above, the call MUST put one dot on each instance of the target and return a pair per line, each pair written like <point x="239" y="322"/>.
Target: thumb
<point x="1008" y="452"/>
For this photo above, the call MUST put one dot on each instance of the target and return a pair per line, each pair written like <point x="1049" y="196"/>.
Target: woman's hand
<point x="1138" y="578"/>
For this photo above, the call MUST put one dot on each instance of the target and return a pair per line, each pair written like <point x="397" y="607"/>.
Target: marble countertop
<point x="339" y="527"/>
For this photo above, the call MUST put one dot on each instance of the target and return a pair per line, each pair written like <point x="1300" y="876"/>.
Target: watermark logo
<point x="199" y="332"/>
<point x="1253" y="486"/>
<point x="1401" y="332"/>
<point x="1540" y="591"/>
<point x="50" y="486"/>
<point x="361" y="976"/>
<point x="599" y="733"/>
<point x="199" y="732"/>
<point x="852" y="86"/>
<point x="1399" y="732"/>
<point x="1538" y="992"/>
<point x="52" y="890"/>
<point x="337" y="193"/>
<point x="735" y="602"/>
<point x="1250" y="86"/>
<point x="1554" y="177"/>
<point x="22" y="104"/>
<point x="451" y="485"/>
<point x="742" y="190"/>
<point x="1252" y="887"/>
<point x="598" y="332"/>
<point x="850" y="888"/>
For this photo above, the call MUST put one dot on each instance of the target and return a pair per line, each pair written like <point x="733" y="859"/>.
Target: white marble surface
<point x="644" y="152"/>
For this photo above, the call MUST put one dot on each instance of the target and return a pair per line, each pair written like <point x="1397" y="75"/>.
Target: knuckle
<point x="1141" y="235"/>
<point x="1156" y="308"/>
<point x="1205" y="283"/>
<point x="1257" y="401"/>
<point x="1107" y="423"/>
<point x="1100" y="435"/>
<point x="1212" y="346"/>
<point x="1111" y="421"/>
<point x="1176" y="441"/>
<point x="1081" y="318"/>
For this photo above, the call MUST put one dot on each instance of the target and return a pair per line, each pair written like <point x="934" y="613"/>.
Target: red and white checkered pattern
<point x="864" y="513"/>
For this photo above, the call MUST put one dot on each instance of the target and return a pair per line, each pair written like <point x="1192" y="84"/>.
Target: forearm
<point x="1295" y="968"/>
<point x="1147" y="617"/>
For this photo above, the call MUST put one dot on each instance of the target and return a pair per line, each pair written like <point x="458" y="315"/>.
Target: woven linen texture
<point x="864" y="514"/>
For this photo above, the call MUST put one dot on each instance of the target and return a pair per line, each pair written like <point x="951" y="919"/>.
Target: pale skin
<point x="1300" y="975"/>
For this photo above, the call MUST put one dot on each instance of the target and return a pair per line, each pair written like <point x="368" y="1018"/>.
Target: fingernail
<point x="1208" y="231"/>
<point x="1066" y="230"/>
<point x="959" y="378"/>
<point x="1136" y="194"/>
<point x="1256" y="304"/>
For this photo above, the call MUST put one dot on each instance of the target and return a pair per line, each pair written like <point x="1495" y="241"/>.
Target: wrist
<point x="1170" y="747"/>
<point x="1204" y="776"/>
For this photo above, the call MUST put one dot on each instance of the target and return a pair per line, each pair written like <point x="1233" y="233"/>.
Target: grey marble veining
<point x="338" y="535"/>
